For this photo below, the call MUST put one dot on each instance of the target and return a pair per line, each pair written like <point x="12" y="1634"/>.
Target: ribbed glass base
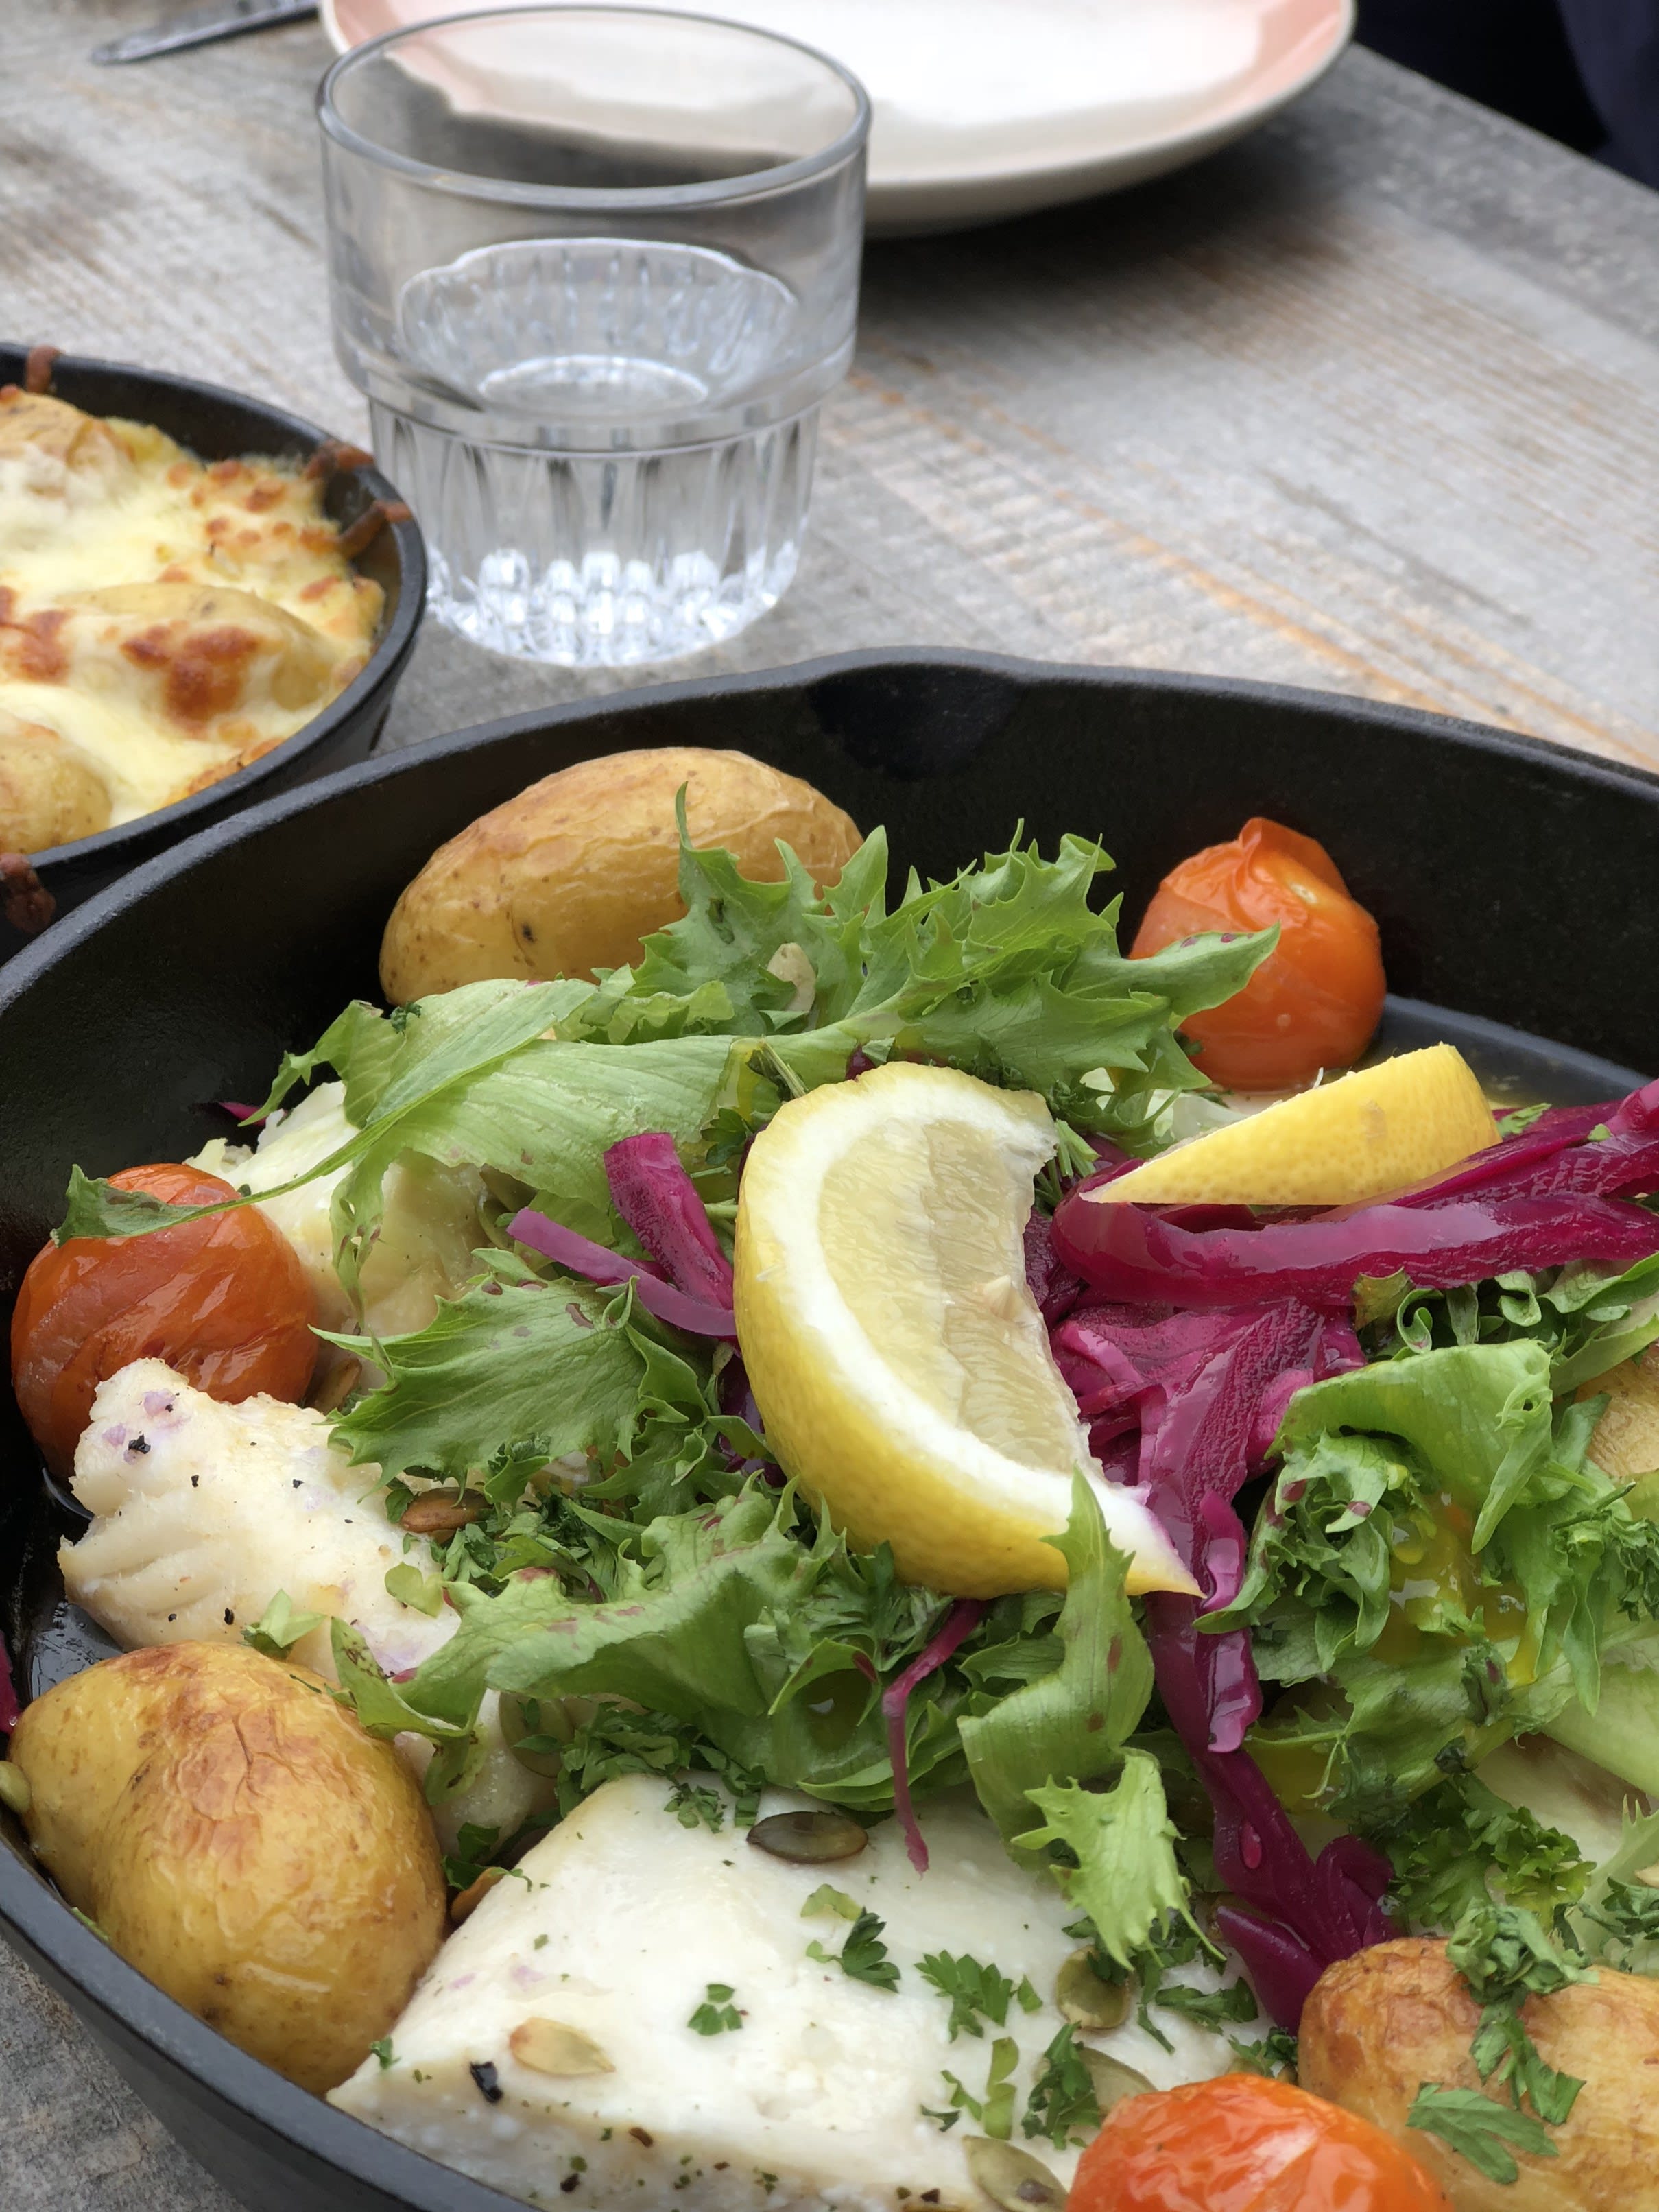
<point x="603" y="560"/>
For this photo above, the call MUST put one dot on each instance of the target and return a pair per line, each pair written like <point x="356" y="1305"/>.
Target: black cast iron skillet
<point x="1511" y="881"/>
<point x="216" y="425"/>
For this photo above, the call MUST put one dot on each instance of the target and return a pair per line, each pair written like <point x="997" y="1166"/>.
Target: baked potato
<point x="569" y="876"/>
<point x="240" y="1839"/>
<point x="49" y="792"/>
<point x="1384" y="2022"/>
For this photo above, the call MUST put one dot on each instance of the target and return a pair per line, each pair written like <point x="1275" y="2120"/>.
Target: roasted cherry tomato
<point x="1245" y="2144"/>
<point x="1315" y="1001"/>
<point x="223" y="1300"/>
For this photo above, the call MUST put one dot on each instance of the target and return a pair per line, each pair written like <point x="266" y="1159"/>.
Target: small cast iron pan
<point x="1511" y="881"/>
<point x="216" y="425"/>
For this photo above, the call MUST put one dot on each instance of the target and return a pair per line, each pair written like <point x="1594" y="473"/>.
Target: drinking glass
<point x="595" y="269"/>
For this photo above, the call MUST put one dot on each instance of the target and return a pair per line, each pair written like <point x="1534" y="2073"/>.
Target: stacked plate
<point x="986" y="108"/>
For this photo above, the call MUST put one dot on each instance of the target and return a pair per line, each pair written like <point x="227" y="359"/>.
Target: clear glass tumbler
<point x="595" y="269"/>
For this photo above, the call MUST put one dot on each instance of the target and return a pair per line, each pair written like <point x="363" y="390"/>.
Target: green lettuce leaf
<point x="735" y="1620"/>
<point x="1620" y="1731"/>
<point x="1006" y="970"/>
<point x="1126" y="1879"/>
<point x="1583" y="1318"/>
<point x="1439" y="1556"/>
<point x="516" y="1365"/>
<point x="1071" y="1721"/>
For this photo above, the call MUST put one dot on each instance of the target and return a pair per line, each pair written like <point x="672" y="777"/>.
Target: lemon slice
<point x="900" y="1364"/>
<point x="1378" y="1130"/>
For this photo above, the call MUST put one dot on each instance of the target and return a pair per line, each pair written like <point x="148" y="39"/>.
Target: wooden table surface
<point x="1369" y="402"/>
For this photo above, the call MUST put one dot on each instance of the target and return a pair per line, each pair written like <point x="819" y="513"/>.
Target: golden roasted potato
<point x="49" y="792"/>
<point x="242" y="1841"/>
<point x="1626" y="1443"/>
<point x="571" y="874"/>
<point x="1380" y="2024"/>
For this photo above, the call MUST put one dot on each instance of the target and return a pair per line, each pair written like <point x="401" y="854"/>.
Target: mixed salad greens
<point x="1362" y="1431"/>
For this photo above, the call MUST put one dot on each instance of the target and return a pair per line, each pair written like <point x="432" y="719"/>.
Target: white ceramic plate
<point x="986" y="108"/>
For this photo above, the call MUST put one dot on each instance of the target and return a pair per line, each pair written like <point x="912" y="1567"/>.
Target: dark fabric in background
<point x="1584" y="71"/>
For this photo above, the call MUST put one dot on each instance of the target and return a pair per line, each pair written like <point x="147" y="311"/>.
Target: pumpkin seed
<point x="808" y="1839"/>
<point x="1113" y="2080"/>
<point x="1086" y="2001"/>
<point x="1011" y="2178"/>
<point x="549" y="2046"/>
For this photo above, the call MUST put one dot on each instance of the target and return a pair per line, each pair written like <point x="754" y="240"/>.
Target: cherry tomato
<point x="1315" y="1001"/>
<point x="1242" y="2143"/>
<point x="223" y="1300"/>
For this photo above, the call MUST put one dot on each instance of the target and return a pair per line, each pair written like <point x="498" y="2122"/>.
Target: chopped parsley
<point x="1275" y="2053"/>
<point x="408" y="1586"/>
<point x="994" y="2111"/>
<point x="1478" y="2128"/>
<point x="279" y="1627"/>
<point x="383" y="2051"/>
<point x="973" y="1991"/>
<point x="1235" y="2002"/>
<point x="827" y="1900"/>
<point x="1176" y="1942"/>
<point x="1062" y="2097"/>
<point x="863" y="1956"/>
<point x="1627" y="1913"/>
<point x="693" y="1804"/>
<point x="1505" y="1957"/>
<point x="716" y="2014"/>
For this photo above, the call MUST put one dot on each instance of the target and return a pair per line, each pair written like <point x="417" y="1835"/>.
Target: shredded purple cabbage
<point x="1198" y="1326"/>
<point x="659" y="1201"/>
<point x="1200" y="1387"/>
<point x="960" y="1623"/>
<point x="1553" y="1194"/>
<point x="582" y="1256"/>
<point x="1139" y="1253"/>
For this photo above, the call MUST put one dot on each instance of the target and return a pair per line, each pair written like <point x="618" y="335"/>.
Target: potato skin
<point x="49" y="794"/>
<point x="1382" y="2023"/>
<point x="1626" y="1443"/>
<point x="570" y="875"/>
<point x="243" y="1842"/>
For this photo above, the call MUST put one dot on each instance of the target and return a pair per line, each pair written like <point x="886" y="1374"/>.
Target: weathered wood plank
<point x="1369" y="402"/>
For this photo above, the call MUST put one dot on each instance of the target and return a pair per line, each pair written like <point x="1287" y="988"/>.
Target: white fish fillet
<point x="617" y="1924"/>
<point x="430" y="1227"/>
<point x="203" y="1512"/>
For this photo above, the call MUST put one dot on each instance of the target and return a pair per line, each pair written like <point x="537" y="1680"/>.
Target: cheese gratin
<point x="163" y="620"/>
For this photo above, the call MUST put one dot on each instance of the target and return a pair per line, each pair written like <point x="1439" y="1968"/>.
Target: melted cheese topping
<point x="163" y="622"/>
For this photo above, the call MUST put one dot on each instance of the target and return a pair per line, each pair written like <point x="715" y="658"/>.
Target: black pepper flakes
<point x="569" y="2182"/>
<point x="139" y="1444"/>
<point x="230" y="1618"/>
<point x="643" y="2135"/>
<point x="194" y="1481"/>
<point x="489" y="2087"/>
<point x="930" y="2196"/>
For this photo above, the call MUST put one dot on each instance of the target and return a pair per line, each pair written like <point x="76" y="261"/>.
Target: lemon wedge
<point x="1378" y="1130"/>
<point x="899" y="1363"/>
